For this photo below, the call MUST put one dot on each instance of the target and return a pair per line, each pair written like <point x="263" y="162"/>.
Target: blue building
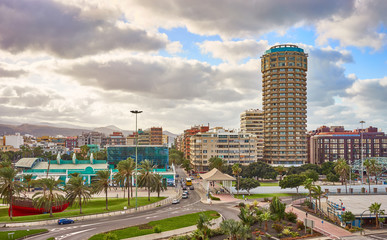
<point x="157" y="154"/>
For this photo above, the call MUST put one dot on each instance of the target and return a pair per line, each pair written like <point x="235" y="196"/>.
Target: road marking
<point x="377" y="237"/>
<point x="72" y="234"/>
<point x="151" y="217"/>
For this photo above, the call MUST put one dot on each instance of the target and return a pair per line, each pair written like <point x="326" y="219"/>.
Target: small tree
<point x="9" y="188"/>
<point x="216" y="162"/>
<point x="317" y="194"/>
<point x="147" y="178"/>
<point x="292" y="181"/>
<point x="281" y="170"/>
<point x="48" y="198"/>
<point x="308" y="184"/>
<point x="246" y="216"/>
<point x="203" y="226"/>
<point x="331" y="177"/>
<point x="312" y="174"/>
<point x="348" y="217"/>
<point x="28" y="180"/>
<point x="342" y="168"/>
<point x="158" y="185"/>
<point x="102" y="184"/>
<point x="265" y="217"/>
<point x="248" y="184"/>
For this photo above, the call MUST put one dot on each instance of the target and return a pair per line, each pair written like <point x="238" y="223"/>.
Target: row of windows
<point x="284" y="85"/>
<point x="283" y="64"/>
<point x="286" y="99"/>
<point x="284" y="75"/>
<point x="355" y="140"/>
<point x="283" y="104"/>
<point x="288" y="137"/>
<point x="273" y="59"/>
<point x="285" y="152"/>
<point x="284" y="118"/>
<point x="283" y="70"/>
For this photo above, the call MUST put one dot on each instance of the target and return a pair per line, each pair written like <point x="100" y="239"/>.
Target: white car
<point x="175" y="201"/>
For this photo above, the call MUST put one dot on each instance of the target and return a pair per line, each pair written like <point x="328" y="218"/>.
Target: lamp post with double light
<point x="136" y="112"/>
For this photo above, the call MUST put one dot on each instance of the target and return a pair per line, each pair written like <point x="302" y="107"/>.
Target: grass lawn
<point x="263" y="195"/>
<point x="94" y="206"/>
<point x="263" y="184"/>
<point x="21" y="233"/>
<point x="164" y="224"/>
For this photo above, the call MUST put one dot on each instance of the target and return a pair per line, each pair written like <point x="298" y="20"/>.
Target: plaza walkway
<point x="324" y="227"/>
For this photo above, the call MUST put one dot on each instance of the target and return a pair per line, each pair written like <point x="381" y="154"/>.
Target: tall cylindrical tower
<point x="283" y="70"/>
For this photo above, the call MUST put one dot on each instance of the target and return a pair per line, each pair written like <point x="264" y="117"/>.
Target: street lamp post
<point x="361" y="142"/>
<point x="136" y="112"/>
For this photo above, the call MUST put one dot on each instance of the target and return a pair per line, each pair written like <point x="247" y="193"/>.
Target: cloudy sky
<point x="184" y="62"/>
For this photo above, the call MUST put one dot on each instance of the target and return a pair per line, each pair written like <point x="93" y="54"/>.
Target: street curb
<point x="32" y="235"/>
<point x="101" y="215"/>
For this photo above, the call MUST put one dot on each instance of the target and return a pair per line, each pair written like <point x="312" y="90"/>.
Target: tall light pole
<point x="361" y="142"/>
<point x="136" y="112"/>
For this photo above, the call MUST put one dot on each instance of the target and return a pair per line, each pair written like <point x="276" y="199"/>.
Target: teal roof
<point x="284" y="48"/>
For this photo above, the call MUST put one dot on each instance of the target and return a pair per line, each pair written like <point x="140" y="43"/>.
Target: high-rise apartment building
<point x="252" y="121"/>
<point x="231" y="146"/>
<point x="283" y="70"/>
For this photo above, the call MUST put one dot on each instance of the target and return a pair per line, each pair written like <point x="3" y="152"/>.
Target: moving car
<point x="65" y="221"/>
<point x="184" y="187"/>
<point x="191" y="188"/>
<point x="184" y="196"/>
<point x="186" y="192"/>
<point x="175" y="201"/>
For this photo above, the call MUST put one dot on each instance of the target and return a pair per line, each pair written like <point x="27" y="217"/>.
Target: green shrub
<point x="216" y="232"/>
<point x="294" y="234"/>
<point x="110" y="236"/>
<point x="277" y="227"/>
<point x="266" y="199"/>
<point x="300" y="225"/>
<point x="286" y="232"/>
<point x="214" y="198"/>
<point x="291" y="217"/>
<point x="157" y="229"/>
<point x="242" y="205"/>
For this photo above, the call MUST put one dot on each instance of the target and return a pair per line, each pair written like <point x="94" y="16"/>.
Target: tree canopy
<point x="292" y="181"/>
<point x="248" y="184"/>
<point x="259" y="170"/>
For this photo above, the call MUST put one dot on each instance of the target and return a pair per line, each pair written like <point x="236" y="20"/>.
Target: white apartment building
<point x="230" y="145"/>
<point x="14" y="140"/>
<point x="252" y="121"/>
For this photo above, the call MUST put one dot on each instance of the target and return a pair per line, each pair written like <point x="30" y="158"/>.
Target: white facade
<point x="14" y="140"/>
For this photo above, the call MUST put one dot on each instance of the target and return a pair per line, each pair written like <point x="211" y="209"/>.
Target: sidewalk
<point x="322" y="226"/>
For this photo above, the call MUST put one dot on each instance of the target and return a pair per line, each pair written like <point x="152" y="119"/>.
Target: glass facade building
<point x="158" y="155"/>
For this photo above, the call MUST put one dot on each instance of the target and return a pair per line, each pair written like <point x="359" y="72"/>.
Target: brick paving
<point x="326" y="227"/>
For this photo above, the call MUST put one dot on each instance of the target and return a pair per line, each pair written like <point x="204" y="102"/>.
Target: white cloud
<point x="234" y="51"/>
<point x="69" y="31"/>
<point x="359" y="29"/>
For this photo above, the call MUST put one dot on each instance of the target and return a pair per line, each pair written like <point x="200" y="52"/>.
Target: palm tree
<point x="266" y="216"/>
<point x="236" y="170"/>
<point x="158" y="186"/>
<point x="147" y="178"/>
<point x="75" y="174"/>
<point x="317" y="194"/>
<point x="203" y="226"/>
<point x="308" y="184"/>
<point x="48" y="198"/>
<point x="233" y="228"/>
<point x="75" y="189"/>
<point x="367" y="165"/>
<point x="376" y="169"/>
<point x="246" y="216"/>
<point x="126" y="168"/>
<point x="119" y="180"/>
<point x="28" y="180"/>
<point x="9" y="188"/>
<point x="375" y="209"/>
<point x="102" y="183"/>
<point x="280" y="169"/>
<point x="342" y="168"/>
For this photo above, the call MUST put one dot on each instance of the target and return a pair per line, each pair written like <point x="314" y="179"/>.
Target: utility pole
<point x="362" y="160"/>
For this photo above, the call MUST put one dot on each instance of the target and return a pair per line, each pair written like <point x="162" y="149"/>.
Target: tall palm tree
<point x="28" y="180"/>
<point x="76" y="190"/>
<point x="317" y="194"/>
<point x="126" y="168"/>
<point x="342" y="168"/>
<point x="203" y="226"/>
<point x="6" y="163"/>
<point x="147" y="178"/>
<point x="308" y="184"/>
<point x="119" y="180"/>
<point x="367" y="165"/>
<point x="48" y="198"/>
<point x="9" y="188"/>
<point x="236" y="170"/>
<point x="375" y="209"/>
<point x="102" y="184"/>
<point x="376" y="169"/>
<point x="158" y="185"/>
<point x="280" y="169"/>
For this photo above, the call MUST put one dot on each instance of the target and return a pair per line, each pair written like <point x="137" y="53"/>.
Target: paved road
<point x="88" y="228"/>
<point x="378" y="236"/>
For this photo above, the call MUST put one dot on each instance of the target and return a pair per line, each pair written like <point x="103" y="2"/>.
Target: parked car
<point x="184" y="196"/>
<point x="191" y="188"/>
<point x="175" y="201"/>
<point x="65" y="221"/>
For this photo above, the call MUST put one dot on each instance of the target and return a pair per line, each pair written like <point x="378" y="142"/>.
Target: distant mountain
<point x="40" y="130"/>
<point x="46" y="130"/>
